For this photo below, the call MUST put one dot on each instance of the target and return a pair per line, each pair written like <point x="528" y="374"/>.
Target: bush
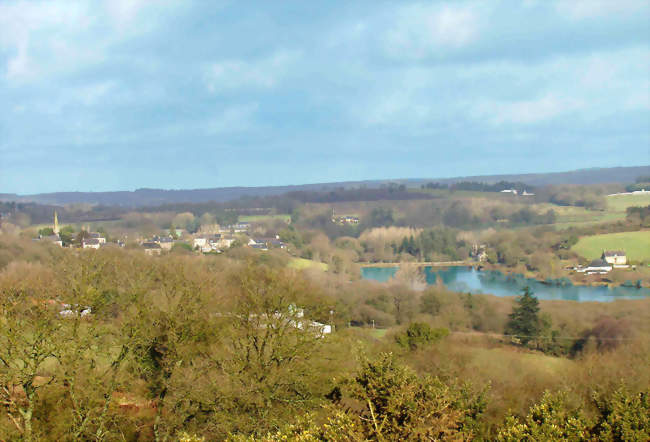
<point x="420" y="334"/>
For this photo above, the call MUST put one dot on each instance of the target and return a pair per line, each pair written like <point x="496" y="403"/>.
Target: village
<point x="211" y="239"/>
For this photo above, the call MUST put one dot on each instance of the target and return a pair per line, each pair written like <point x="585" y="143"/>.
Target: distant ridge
<point x="153" y="197"/>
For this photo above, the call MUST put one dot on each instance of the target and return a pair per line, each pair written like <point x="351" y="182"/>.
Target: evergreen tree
<point x="524" y="322"/>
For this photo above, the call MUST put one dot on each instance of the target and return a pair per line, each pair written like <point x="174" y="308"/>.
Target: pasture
<point x="260" y="218"/>
<point x="618" y="203"/>
<point x="302" y="263"/>
<point x="635" y="244"/>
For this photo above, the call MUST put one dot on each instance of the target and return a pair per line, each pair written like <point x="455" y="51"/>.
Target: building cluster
<point x="266" y="243"/>
<point x="610" y="259"/>
<point x="217" y="242"/>
<point x="479" y="252"/>
<point x="515" y="192"/>
<point x="345" y="219"/>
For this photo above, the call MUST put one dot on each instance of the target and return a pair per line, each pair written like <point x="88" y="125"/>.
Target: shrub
<point x="420" y="334"/>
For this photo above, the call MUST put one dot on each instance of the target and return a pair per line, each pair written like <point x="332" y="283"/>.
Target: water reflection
<point x="470" y="280"/>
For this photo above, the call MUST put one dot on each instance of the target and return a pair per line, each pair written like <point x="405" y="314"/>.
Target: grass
<point x="618" y="203"/>
<point x="635" y="244"/>
<point x="302" y="263"/>
<point x="378" y="332"/>
<point x="259" y="218"/>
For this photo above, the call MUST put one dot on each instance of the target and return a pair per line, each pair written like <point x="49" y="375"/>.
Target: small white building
<point x="166" y="243"/>
<point x="199" y="242"/>
<point x="98" y="237"/>
<point x="91" y="243"/>
<point x="151" y="248"/>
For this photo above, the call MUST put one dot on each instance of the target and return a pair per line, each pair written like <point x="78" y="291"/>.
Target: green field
<point x="635" y="244"/>
<point x="618" y="203"/>
<point x="258" y="218"/>
<point x="302" y="263"/>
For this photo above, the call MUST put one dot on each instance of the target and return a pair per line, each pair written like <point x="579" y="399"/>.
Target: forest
<point x="111" y="344"/>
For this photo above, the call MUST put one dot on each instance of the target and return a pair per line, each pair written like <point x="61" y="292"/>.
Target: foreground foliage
<point x="115" y="345"/>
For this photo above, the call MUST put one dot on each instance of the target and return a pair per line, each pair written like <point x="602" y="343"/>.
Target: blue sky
<point x="125" y="94"/>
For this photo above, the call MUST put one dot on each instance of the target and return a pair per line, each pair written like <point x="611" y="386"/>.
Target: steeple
<point x="56" y="224"/>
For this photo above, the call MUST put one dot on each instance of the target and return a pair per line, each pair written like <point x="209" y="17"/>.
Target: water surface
<point x="469" y="280"/>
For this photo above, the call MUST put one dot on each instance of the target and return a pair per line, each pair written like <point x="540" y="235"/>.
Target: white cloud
<point x="421" y="30"/>
<point x="20" y="21"/>
<point x="584" y="9"/>
<point x="526" y="111"/>
<point x="234" y="119"/>
<point x="262" y="73"/>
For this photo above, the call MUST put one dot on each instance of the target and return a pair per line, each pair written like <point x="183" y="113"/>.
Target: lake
<point x="469" y="280"/>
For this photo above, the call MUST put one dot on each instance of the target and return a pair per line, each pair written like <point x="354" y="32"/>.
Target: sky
<point x="119" y="95"/>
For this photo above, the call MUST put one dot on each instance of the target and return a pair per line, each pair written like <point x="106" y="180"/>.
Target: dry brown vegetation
<point x="207" y="346"/>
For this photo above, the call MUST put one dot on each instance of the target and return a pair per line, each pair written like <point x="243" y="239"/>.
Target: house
<point x="224" y="242"/>
<point x="479" y="252"/>
<point x="526" y="193"/>
<point x="166" y="243"/>
<point x="258" y="244"/>
<point x="151" y="248"/>
<point x="91" y="243"/>
<point x="98" y="237"/>
<point x="597" y="266"/>
<point x="614" y="257"/>
<point x="55" y="239"/>
<point x="266" y="243"/>
<point x="346" y="219"/>
<point x="513" y="191"/>
<point x="213" y="243"/>
<point x="199" y="243"/>
<point x="241" y="227"/>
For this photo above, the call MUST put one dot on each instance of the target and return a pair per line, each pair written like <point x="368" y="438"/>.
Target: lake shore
<point x="575" y="279"/>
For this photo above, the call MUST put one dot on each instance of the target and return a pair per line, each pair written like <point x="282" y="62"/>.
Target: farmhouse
<point x="597" y="266"/>
<point x="615" y="257"/>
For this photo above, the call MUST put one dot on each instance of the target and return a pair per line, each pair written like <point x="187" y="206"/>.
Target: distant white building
<point x="199" y="243"/>
<point x="98" y="237"/>
<point x="513" y="191"/>
<point x="151" y="248"/>
<point x="614" y="257"/>
<point x="91" y="243"/>
<point x="597" y="266"/>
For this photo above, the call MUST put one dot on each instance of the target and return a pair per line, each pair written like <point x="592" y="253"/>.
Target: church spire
<point x="56" y="224"/>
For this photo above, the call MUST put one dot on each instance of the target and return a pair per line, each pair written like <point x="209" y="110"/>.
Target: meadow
<point x="303" y="263"/>
<point x="618" y="203"/>
<point x="635" y="244"/>
<point x="259" y="218"/>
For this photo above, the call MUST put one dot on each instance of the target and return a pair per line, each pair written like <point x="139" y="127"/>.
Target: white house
<point x="152" y="248"/>
<point x="166" y="243"/>
<point x="615" y="257"/>
<point x="91" y="243"/>
<point x="513" y="191"/>
<point x="200" y="242"/>
<point x="98" y="237"/>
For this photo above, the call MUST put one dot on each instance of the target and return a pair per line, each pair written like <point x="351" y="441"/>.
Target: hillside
<point x="153" y="197"/>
